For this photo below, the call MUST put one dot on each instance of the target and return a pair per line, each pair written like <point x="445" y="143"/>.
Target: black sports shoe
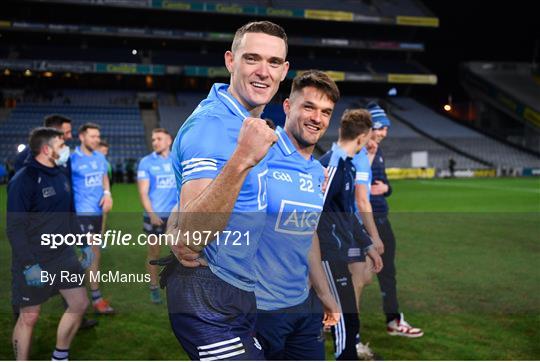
<point x="88" y="323"/>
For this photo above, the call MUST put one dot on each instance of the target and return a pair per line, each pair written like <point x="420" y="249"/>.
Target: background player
<point x="158" y="194"/>
<point x="40" y="202"/>
<point x="93" y="197"/>
<point x="340" y="230"/>
<point x="380" y="190"/>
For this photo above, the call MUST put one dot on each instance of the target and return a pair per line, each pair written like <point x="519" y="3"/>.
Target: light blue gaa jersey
<point x="363" y="169"/>
<point x="295" y="202"/>
<point x="87" y="173"/>
<point x="162" y="190"/>
<point x="203" y="145"/>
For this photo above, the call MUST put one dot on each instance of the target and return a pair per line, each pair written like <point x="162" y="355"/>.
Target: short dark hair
<point x="103" y="143"/>
<point x="354" y="122"/>
<point x="42" y="136"/>
<point x="162" y="130"/>
<point x="85" y="127"/>
<point x="55" y="120"/>
<point x="317" y="79"/>
<point x="265" y="27"/>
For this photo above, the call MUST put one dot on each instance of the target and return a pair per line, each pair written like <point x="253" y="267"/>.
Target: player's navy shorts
<point x="90" y="223"/>
<point x="294" y="333"/>
<point x="67" y="262"/>
<point x="212" y="319"/>
<point x="154" y="229"/>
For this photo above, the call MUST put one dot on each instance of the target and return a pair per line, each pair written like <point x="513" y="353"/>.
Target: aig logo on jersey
<point x="282" y="176"/>
<point x="93" y="179"/>
<point x="165" y="182"/>
<point x="297" y="218"/>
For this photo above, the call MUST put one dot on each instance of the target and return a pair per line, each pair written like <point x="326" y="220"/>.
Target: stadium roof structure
<point x="402" y="13"/>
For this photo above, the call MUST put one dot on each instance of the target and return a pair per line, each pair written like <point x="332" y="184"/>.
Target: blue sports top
<point x="203" y="145"/>
<point x="295" y="202"/>
<point x="162" y="190"/>
<point x="87" y="173"/>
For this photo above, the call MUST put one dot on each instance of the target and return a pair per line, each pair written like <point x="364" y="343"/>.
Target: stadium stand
<point x="115" y="112"/>
<point x="172" y="116"/>
<point x="402" y="141"/>
<point x="508" y="96"/>
<point x="462" y="138"/>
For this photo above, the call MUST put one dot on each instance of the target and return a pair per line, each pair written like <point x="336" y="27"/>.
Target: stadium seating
<point x="115" y="112"/>
<point x="461" y="137"/>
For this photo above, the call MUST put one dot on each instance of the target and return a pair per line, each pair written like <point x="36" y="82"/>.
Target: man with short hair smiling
<point x="220" y="167"/>
<point x="40" y="203"/>
<point x="288" y="263"/>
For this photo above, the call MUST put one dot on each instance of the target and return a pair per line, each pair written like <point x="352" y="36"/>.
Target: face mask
<point x="64" y="157"/>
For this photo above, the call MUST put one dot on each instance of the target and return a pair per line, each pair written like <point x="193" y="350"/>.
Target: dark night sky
<point x="479" y="30"/>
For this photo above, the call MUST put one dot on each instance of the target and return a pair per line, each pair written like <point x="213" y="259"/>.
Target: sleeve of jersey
<point x="142" y="170"/>
<point x="361" y="163"/>
<point x="200" y="151"/>
<point x="18" y="208"/>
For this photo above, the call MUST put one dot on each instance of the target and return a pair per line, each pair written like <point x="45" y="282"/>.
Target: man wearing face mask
<point x="57" y="121"/>
<point x="40" y="205"/>
<point x="62" y="124"/>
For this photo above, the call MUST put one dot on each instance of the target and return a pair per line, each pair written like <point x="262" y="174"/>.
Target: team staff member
<point x="57" y="121"/>
<point x="290" y="315"/>
<point x="340" y="231"/>
<point x="92" y="197"/>
<point x="218" y="159"/>
<point x="40" y="202"/>
<point x="380" y="190"/>
<point x="63" y="124"/>
<point x="158" y="194"/>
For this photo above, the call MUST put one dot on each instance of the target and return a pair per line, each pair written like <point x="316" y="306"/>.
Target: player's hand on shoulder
<point x="254" y="141"/>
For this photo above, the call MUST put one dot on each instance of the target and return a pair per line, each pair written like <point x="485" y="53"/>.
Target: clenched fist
<point x="254" y="141"/>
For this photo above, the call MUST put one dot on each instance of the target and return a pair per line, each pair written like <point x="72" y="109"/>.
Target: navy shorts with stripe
<point x="24" y="295"/>
<point x="294" y="333"/>
<point x="212" y="319"/>
<point x="356" y="253"/>
<point x="90" y="223"/>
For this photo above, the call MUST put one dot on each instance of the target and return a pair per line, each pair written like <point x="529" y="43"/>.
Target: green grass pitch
<point x="468" y="274"/>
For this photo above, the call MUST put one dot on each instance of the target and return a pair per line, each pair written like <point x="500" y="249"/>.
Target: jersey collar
<point x="219" y="92"/>
<point x="339" y="152"/>
<point x="284" y="142"/>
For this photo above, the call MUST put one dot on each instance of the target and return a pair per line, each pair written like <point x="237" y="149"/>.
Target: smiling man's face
<point x="308" y="115"/>
<point x="257" y="67"/>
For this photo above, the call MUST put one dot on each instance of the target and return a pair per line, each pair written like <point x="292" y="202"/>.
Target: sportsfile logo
<point x="93" y="179"/>
<point x="165" y="182"/>
<point x="297" y="218"/>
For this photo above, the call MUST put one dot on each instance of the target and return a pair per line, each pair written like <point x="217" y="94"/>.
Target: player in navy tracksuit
<point x="380" y="190"/>
<point x="341" y="234"/>
<point x="40" y="204"/>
